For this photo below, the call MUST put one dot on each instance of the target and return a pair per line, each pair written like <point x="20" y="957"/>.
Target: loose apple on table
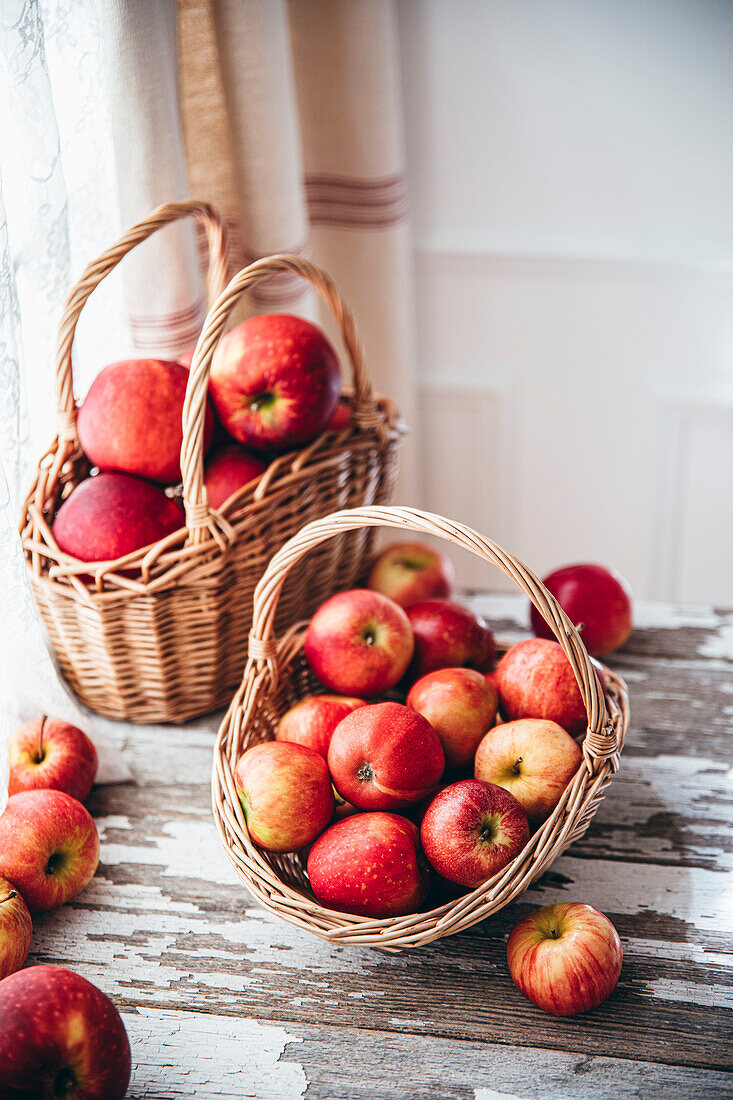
<point x="566" y="958"/>
<point x="60" y="1036"/>
<point x="49" y="753"/>
<point x="49" y="847"/>
<point x="16" y="929"/>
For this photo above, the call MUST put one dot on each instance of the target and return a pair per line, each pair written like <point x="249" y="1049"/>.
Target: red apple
<point x="187" y="358"/>
<point x="275" y="382"/>
<point x="312" y="721"/>
<point x="16" y="929"/>
<point x="565" y="957"/>
<point x="531" y="758"/>
<point x="130" y="421"/>
<point x="286" y="794"/>
<point x="359" y="643"/>
<point x="111" y="515"/>
<point x="411" y="571"/>
<point x="370" y="865"/>
<point x="460" y="704"/>
<point x="384" y="757"/>
<point x="341" y="418"/>
<point x="597" y="597"/>
<point x="448" y="635"/>
<point x="49" y="847"/>
<point x="471" y="830"/>
<point x="50" y="753"/>
<point x="536" y="681"/>
<point x="60" y="1036"/>
<point x="229" y="470"/>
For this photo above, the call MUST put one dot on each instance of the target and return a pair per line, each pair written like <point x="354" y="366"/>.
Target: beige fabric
<point x="287" y="117"/>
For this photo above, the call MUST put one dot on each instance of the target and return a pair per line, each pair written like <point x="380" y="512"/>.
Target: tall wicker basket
<point x="160" y="635"/>
<point x="276" y="676"/>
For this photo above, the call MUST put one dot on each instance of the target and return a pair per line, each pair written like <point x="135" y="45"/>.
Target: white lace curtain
<point x="284" y="115"/>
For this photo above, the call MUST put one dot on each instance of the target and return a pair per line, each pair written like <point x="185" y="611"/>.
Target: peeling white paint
<point x="708" y="996"/>
<point x="210" y="1057"/>
<point x="720" y="644"/>
<point x="492" y="1094"/>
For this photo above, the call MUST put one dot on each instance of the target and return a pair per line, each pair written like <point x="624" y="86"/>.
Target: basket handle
<point x="365" y="415"/>
<point x="98" y="269"/>
<point x="600" y="742"/>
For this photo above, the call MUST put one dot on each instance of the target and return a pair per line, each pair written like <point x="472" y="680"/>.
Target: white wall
<point x="571" y="168"/>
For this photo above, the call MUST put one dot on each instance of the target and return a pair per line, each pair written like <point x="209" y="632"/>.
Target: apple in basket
<point x="411" y="571"/>
<point x="597" y="597"/>
<point x="312" y="721"/>
<point x="448" y="635"/>
<point x="130" y="420"/>
<point x="50" y="753"/>
<point x="49" y="847"/>
<point x="286" y="794"/>
<point x="16" y="929"/>
<point x="460" y="705"/>
<point x="341" y="418"/>
<point x="60" y="1036"/>
<point x="471" y="830"/>
<point x="229" y="470"/>
<point x="384" y="757"/>
<point x="369" y="864"/>
<point x="275" y="382"/>
<point x="535" y="680"/>
<point x="111" y="515"/>
<point x="359" y="643"/>
<point x="531" y="758"/>
<point x="566" y="958"/>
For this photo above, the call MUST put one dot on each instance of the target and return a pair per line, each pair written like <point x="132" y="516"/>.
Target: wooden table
<point x="222" y="1000"/>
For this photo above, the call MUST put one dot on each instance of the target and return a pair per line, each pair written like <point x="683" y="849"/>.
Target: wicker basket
<point x="160" y="635"/>
<point x="276" y="676"/>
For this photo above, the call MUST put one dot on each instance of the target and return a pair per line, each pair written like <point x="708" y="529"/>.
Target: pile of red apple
<point x="274" y="386"/>
<point x="423" y="769"/>
<point x="59" y="1034"/>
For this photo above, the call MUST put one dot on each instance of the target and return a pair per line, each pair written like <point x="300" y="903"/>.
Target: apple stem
<point x="11" y="895"/>
<point x="39" y="750"/>
<point x="580" y="627"/>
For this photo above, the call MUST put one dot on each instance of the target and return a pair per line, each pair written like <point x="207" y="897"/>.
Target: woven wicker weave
<point x="276" y="676"/>
<point x="160" y="635"/>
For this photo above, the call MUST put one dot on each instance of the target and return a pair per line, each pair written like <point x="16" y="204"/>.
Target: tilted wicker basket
<point x="160" y="635"/>
<point x="277" y="676"/>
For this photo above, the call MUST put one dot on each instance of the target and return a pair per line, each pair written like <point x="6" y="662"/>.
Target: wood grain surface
<point x="222" y="1000"/>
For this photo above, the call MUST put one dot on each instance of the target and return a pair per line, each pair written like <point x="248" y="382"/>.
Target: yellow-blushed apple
<point x="533" y="759"/>
<point x="286" y="794"/>
<point x="566" y="958"/>
<point x="16" y="929"/>
<point x="411" y="571"/>
<point x="50" y="753"/>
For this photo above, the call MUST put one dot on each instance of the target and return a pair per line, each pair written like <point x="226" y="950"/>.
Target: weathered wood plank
<point x="165" y="928"/>
<point x="163" y="925"/>
<point x="179" y="1054"/>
